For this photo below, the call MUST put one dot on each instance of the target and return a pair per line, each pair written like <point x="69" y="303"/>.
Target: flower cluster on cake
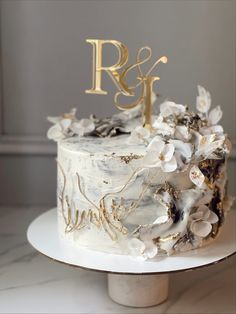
<point x="127" y="189"/>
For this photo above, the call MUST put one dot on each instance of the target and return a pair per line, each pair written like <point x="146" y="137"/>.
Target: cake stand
<point x="131" y="282"/>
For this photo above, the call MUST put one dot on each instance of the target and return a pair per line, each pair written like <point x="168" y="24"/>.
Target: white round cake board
<point x="123" y="286"/>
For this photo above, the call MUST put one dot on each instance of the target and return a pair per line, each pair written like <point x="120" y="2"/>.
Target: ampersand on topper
<point x="145" y="81"/>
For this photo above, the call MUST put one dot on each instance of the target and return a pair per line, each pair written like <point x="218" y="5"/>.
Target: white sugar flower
<point x="132" y="113"/>
<point x="169" y="108"/>
<point x="68" y="125"/>
<point x="183" y="153"/>
<point x="160" y="154"/>
<point x="69" y="116"/>
<point x="82" y="127"/>
<point x="213" y="118"/>
<point x="208" y="144"/>
<point x="60" y="130"/>
<point x="214" y="129"/>
<point x="196" y="176"/>
<point x="202" y="220"/>
<point x="162" y="127"/>
<point x="128" y="114"/>
<point x="62" y="124"/>
<point x="182" y="133"/>
<point x="203" y="102"/>
<point x="185" y="149"/>
<point x="144" y="249"/>
<point x="139" y="135"/>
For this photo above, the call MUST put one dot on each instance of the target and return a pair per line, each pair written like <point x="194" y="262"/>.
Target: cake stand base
<point x="131" y="282"/>
<point x="138" y="290"/>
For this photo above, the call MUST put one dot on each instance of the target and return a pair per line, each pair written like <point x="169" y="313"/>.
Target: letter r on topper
<point x="98" y="67"/>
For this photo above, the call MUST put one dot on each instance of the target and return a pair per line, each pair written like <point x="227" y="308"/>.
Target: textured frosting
<point x="105" y="166"/>
<point x="126" y="189"/>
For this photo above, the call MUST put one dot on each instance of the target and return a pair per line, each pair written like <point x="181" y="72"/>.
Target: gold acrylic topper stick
<point x="119" y="78"/>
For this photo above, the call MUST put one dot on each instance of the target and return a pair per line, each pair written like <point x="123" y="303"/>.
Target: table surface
<point x="32" y="283"/>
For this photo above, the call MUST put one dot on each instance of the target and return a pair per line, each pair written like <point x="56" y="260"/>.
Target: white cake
<point x="128" y="190"/>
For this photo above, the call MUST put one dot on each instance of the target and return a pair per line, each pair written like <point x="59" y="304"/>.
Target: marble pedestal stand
<point x="130" y="282"/>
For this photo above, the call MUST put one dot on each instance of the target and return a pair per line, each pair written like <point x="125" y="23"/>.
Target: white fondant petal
<point x="55" y="133"/>
<point x="215" y="115"/>
<point x="201" y="90"/>
<point x="65" y="123"/>
<point x="203" y="102"/>
<point x="136" y="246"/>
<point x="77" y="128"/>
<point x="169" y="166"/>
<point x="164" y="128"/>
<point x="129" y="114"/>
<point x="168" y="108"/>
<point x="214" y="129"/>
<point x="156" y="145"/>
<point x="196" y="216"/>
<point x="151" y="159"/>
<point x="88" y="125"/>
<point x="213" y="218"/>
<point x="150" y="249"/>
<point x="182" y="133"/>
<point x="205" y="211"/>
<point x="168" y="152"/>
<point x="201" y="228"/>
<point x="196" y="176"/>
<point x="185" y="149"/>
<point x="142" y="132"/>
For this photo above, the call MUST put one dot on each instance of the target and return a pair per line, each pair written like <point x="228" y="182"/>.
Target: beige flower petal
<point x="212" y="218"/>
<point x="215" y="115"/>
<point x="205" y="211"/>
<point x="151" y="249"/>
<point x="168" y="108"/>
<point x="55" y="133"/>
<point x="156" y="145"/>
<point x="201" y="228"/>
<point x="151" y="159"/>
<point x="170" y="165"/>
<point x="136" y="246"/>
<point x="168" y="152"/>
<point x="196" y="176"/>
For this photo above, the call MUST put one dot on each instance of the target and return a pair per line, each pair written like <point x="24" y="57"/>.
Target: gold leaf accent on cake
<point x="127" y="159"/>
<point x="167" y="238"/>
<point x="100" y="216"/>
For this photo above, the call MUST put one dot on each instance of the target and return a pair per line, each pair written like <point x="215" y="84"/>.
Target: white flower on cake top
<point x="67" y="125"/>
<point x="160" y="154"/>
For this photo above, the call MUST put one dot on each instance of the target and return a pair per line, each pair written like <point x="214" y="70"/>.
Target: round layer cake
<point x="126" y="189"/>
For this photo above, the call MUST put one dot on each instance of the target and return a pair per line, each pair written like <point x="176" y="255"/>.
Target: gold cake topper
<point x="145" y="81"/>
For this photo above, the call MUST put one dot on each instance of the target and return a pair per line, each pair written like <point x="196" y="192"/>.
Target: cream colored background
<point x="46" y="66"/>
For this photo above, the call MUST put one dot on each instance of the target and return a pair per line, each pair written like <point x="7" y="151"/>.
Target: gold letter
<point x="148" y="81"/>
<point x="111" y="70"/>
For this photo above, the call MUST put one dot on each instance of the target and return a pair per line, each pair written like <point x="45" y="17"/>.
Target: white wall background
<point x="46" y="66"/>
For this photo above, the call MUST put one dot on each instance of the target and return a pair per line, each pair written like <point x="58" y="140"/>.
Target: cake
<point x="123" y="188"/>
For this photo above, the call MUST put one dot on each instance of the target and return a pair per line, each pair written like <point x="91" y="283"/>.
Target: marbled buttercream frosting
<point x="125" y="189"/>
